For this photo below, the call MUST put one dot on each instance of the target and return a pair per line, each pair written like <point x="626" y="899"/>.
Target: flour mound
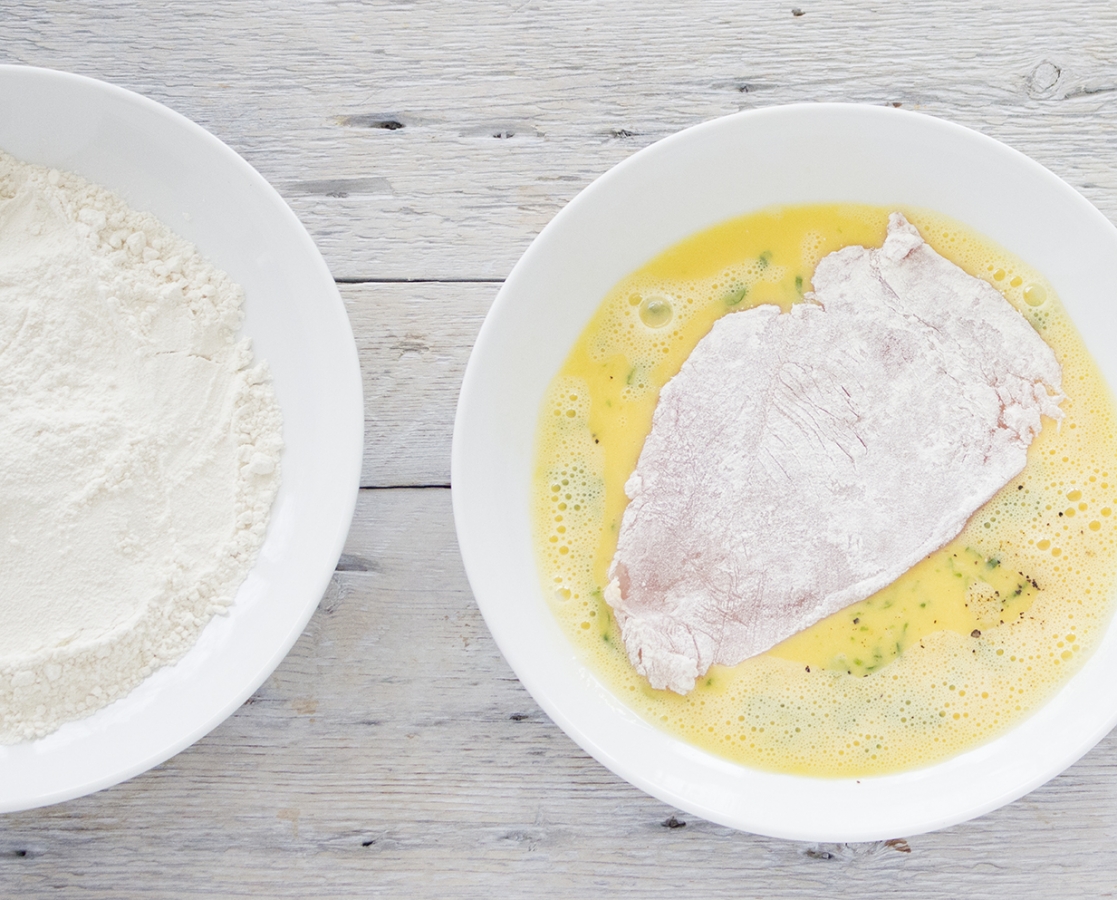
<point x="139" y="447"/>
<point x="776" y="486"/>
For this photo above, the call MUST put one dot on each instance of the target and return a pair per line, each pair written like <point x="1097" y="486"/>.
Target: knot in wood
<point x="1043" y="79"/>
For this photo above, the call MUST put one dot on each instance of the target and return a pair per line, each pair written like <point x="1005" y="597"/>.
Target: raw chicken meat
<point x="801" y="461"/>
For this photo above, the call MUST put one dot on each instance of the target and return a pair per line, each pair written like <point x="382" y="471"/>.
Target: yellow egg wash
<point x="962" y="646"/>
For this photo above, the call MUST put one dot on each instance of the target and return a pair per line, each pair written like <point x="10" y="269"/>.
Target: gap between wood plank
<point x="419" y="280"/>
<point x="402" y="487"/>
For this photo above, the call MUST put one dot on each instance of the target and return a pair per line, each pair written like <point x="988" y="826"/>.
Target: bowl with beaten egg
<point x="784" y="479"/>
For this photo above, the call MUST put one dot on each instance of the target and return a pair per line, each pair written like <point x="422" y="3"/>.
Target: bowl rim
<point x="701" y="797"/>
<point x="338" y="508"/>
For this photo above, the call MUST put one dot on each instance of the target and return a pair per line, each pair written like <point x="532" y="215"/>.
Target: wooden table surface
<point x="424" y="144"/>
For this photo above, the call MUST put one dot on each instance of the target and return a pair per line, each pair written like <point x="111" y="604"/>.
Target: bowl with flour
<point x="182" y="433"/>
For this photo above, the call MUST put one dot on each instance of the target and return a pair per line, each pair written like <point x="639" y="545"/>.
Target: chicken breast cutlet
<point x="801" y="461"/>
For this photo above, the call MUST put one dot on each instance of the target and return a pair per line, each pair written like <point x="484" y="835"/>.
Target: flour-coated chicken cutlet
<point x="801" y="461"/>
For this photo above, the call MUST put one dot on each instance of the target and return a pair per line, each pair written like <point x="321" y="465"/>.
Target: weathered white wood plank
<point x="508" y="109"/>
<point x="394" y="754"/>
<point x="413" y="341"/>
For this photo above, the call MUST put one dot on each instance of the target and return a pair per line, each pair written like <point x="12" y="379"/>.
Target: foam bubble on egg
<point x="570" y="506"/>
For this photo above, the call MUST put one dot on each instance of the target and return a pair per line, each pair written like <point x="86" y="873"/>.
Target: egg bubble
<point x="655" y="312"/>
<point x="1035" y="295"/>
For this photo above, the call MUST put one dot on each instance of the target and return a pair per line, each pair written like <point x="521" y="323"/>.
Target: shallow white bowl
<point x="685" y="183"/>
<point x="162" y="163"/>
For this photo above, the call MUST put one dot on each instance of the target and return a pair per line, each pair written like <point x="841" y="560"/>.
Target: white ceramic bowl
<point x="162" y="163"/>
<point x="685" y="183"/>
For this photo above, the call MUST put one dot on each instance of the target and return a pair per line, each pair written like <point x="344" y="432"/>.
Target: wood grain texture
<point x="413" y="341"/>
<point x="508" y="109"/>
<point x="394" y="754"/>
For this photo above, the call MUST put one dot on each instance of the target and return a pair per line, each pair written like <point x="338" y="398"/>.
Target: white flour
<point x="139" y="447"/>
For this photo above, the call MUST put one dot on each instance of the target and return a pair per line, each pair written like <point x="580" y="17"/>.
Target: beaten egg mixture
<point x="965" y="644"/>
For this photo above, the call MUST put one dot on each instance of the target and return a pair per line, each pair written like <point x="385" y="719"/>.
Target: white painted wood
<point x="414" y="341"/>
<point x="572" y="87"/>
<point x="393" y="753"/>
